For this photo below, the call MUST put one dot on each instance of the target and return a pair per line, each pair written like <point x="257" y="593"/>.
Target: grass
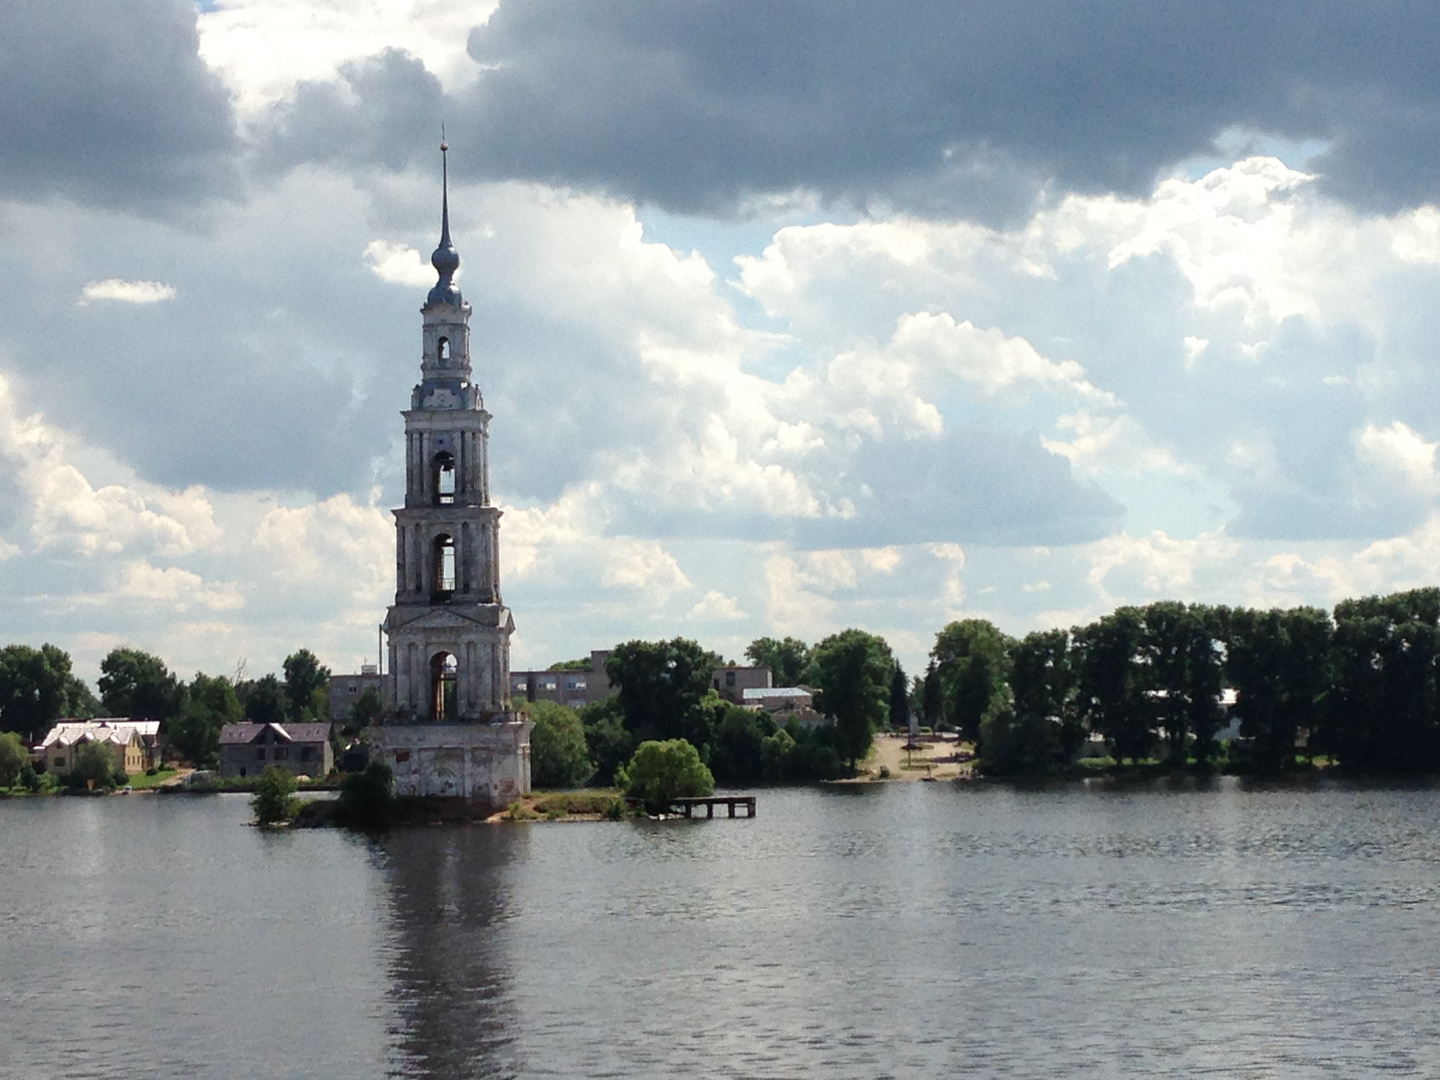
<point x="584" y="803"/>
<point x="142" y="782"/>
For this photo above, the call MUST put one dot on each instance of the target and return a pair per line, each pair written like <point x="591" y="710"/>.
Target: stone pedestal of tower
<point x="446" y="731"/>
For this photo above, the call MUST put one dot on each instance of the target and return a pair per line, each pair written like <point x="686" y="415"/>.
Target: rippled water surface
<point x="897" y="930"/>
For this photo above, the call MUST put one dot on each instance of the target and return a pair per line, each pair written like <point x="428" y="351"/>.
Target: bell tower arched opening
<point x="444" y="702"/>
<point x="442" y="564"/>
<point x="442" y="478"/>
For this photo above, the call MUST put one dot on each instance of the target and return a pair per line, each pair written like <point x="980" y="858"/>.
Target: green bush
<point x="13" y="758"/>
<point x="274" y="800"/>
<point x="29" y="779"/>
<point x="92" y="761"/>
<point x="662" y="770"/>
<point x="367" y="798"/>
<point x="152" y="771"/>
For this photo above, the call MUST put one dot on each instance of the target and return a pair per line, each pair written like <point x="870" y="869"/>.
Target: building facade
<point x="578" y="688"/>
<point x="346" y="690"/>
<point x="135" y="743"/>
<point x="302" y="749"/>
<point x="446" y="730"/>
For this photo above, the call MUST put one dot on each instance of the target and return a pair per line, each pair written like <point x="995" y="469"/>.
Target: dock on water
<point x="732" y="803"/>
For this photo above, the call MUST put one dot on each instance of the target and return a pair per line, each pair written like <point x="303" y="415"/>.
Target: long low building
<point x="135" y="743"/>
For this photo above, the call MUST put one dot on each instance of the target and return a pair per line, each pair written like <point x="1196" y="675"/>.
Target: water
<point x="897" y="930"/>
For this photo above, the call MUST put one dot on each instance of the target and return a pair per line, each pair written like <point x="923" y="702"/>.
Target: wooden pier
<point x="687" y="807"/>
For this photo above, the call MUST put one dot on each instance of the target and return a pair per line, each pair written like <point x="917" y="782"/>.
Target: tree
<point x="136" y="683"/>
<point x="92" y="761"/>
<point x="208" y="704"/>
<point x="274" y="800"/>
<point x="607" y="741"/>
<point x="1178" y="647"/>
<point x="13" y="758"/>
<point x="366" y="711"/>
<point x="559" y="757"/>
<point x="661" y="685"/>
<point x="666" y="769"/>
<point x="582" y="664"/>
<point x="305" y="677"/>
<point x="37" y="689"/>
<point x="972" y="657"/>
<point x="1385" y="716"/>
<point x="1044" y="684"/>
<point x="852" y="671"/>
<point x="933" y="696"/>
<point x="1018" y="745"/>
<point x="1113" y="680"/>
<point x="263" y="700"/>
<point x="737" y="759"/>
<point x="899" y="698"/>
<point x="786" y="658"/>
<point x="367" y="798"/>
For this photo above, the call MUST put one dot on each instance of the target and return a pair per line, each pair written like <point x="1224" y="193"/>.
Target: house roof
<point x="239" y="734"/>
<point x="112" y="729"/>
<point x="761" y="692"/>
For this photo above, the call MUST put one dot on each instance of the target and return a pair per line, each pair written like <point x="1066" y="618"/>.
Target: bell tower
<point x="448" y="630"/>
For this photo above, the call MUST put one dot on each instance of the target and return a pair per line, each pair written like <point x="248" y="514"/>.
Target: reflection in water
<point x="448" y="898"/>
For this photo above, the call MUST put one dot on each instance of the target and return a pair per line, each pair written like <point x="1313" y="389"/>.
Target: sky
<point x="791" y="316"/>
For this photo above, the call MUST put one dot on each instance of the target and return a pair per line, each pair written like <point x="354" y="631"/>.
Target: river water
<point x="901" y="930"/>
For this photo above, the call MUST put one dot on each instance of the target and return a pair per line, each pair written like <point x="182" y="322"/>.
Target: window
<point x="402" y="756"/>
<point x="574" y="683"/>
<point x="443" y="348"/>
<point x="59" y="763"/>
<point x="307" y="753"/>
<point x="260" y="753"/>
<point x="354" y="689"/>
<point x="729" y="678"/>
<point x="281" y="753"/>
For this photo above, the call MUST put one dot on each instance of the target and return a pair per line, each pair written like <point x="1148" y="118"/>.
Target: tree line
<point x="1359" y="686"/>
<point x="38" y="687"/>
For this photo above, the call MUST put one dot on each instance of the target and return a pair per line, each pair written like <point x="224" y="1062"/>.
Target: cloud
<point x="108" y="102"/>
<point x="716" y="605"/>
<point x="127" y="292"/>
<point x="937" y="109"/>
<point x="264" y="48"/>
<point x="399" y="264"/>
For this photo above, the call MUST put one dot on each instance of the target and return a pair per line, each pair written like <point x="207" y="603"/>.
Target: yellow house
<point x="135" y="743"/>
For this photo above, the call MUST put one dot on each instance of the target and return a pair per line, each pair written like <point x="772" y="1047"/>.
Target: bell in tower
<point x="446" y="730"/>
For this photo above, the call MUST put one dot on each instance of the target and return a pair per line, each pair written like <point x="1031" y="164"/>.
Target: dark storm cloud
<point x="385" y="109"/>
<point x="935" y="105"/>
<point x="108" y="102"/>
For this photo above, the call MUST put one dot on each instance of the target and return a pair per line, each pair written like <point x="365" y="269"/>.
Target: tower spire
<point x="444" y="190"/>
<point x="445" y="259"/>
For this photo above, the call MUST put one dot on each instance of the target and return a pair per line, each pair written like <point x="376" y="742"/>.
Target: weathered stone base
<point x="487" y="763"/>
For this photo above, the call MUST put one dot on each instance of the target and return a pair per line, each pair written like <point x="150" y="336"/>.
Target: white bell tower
<point x="446" y="728"/>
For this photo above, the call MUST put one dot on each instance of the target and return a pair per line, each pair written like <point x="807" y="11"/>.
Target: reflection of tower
<point x="449" y="631"/>
<point x="451" y="977"/>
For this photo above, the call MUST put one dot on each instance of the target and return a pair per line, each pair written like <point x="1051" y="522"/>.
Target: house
<point x="784" y="704"/>
<point x="304" y="749"/>
<point x="135" y="743"/>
